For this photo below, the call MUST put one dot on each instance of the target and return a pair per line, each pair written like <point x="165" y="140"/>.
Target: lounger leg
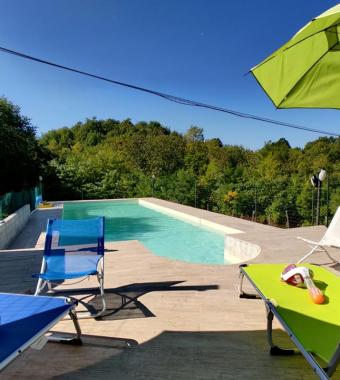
<point x="49" y="286"/>
<point x="333" y="363"/>
<point x="41" y="283"/>
<point x="100" y="277"/>
<point x="40" y="286"/>
<point x="318" y="249"/>
<point x="330" y="257"/>
<point x="242" y="293"/>
<point x="274" y="350"/>
<point x="74" y="318"/>
<point x="102" y="294"/>
<point x="76" y="340"/>
<point x="308" y="254"/>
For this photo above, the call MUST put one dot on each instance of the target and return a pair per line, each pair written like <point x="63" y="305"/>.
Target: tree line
<point x="120" y="159"/>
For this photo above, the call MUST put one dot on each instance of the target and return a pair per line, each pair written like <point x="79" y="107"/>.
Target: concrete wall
<point x="12" y="225"/>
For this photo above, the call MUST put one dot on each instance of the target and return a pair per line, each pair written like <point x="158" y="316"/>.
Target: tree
<point x="19" y="150"/>
<point x="194" y="134"/>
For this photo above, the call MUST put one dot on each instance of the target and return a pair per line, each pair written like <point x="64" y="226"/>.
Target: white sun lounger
<point x="331" y="238"/>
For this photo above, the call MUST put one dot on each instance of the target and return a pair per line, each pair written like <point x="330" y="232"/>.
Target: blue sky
<point x="195" y="49"/>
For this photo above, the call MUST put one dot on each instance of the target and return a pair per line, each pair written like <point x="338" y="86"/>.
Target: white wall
<point x="12" y="225"/>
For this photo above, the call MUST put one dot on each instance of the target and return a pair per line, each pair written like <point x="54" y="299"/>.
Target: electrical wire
<point x="169" y="97"/>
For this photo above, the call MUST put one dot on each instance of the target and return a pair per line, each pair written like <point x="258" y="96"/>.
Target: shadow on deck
<point x="170" y="355"/>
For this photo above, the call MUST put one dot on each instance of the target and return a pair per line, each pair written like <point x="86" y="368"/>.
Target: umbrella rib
<point x="273" y="55"/>
<point x="307" y="71"/>
<point x="314" y="34"/>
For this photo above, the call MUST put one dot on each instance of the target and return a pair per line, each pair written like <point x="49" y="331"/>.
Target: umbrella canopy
<point x="305" y="72"/>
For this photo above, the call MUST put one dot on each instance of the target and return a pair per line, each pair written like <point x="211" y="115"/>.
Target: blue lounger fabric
<point x="22" y="317"/>
<point x="73" y="248"/>
<point x="73" y="264"/>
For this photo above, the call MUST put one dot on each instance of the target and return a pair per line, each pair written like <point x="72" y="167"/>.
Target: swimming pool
<point x="163" y="234"/>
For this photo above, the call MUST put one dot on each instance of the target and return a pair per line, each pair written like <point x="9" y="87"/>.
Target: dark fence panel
<point x="10" y="202"/>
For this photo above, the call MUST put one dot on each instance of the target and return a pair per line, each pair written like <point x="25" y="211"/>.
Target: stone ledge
<point x="238" y="251"/>
<point x="189" y="218"/>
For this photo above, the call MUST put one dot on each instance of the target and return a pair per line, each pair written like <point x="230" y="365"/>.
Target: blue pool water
<point x="164" y="235"/>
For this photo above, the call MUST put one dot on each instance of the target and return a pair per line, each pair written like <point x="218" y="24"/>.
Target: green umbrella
<point x="305" y="72"/>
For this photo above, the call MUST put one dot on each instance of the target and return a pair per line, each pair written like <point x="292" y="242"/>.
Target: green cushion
<point x="317" y="327"/>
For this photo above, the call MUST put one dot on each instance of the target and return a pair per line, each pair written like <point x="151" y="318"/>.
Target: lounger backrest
<point x="67" y="233"/>
<point x="332" y="235"/>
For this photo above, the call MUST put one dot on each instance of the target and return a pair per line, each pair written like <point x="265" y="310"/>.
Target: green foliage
<point x="158" y="155"/>
<point x="113" y="159"/>
<point x="20" y="154"/>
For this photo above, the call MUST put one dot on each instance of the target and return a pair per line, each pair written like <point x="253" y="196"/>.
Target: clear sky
<point x="195" y="49"/>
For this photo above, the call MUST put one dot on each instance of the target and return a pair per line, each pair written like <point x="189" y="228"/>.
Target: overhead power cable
<point x="169" y="97"/>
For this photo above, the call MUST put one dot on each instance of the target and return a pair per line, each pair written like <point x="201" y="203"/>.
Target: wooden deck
<point x="187" y="321"/>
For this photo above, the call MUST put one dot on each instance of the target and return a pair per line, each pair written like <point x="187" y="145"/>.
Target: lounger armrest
<point x="309" y="241"/>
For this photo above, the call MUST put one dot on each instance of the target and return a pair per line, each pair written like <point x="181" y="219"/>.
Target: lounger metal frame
<point x="329" y="239"/>
<point x="316" y="246"/>
<point x="323" y="373"/>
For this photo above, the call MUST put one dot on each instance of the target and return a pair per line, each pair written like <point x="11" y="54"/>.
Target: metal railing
<point x="277" y="206"/>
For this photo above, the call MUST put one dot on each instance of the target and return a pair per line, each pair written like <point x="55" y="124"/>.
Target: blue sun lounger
<point x="73" y="249"/>
<point x="24" y="319"/>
